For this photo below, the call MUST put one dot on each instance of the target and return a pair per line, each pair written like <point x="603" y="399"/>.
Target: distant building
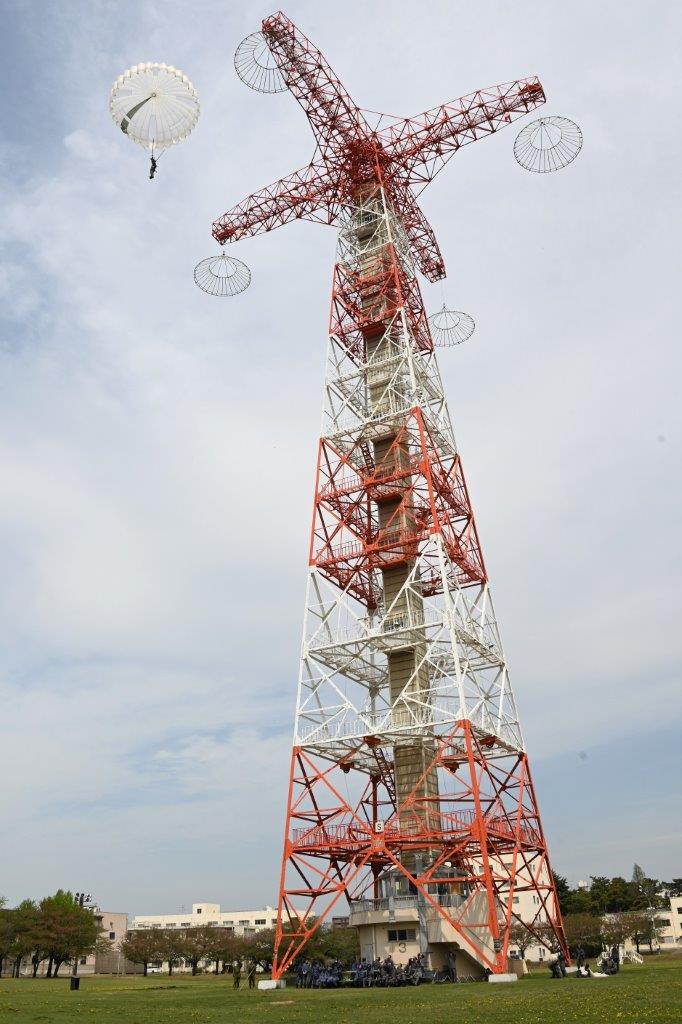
<point x="113" y="928"/>
<point x="241" y="922"/>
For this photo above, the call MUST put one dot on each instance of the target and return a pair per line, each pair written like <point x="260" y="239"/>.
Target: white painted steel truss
<point x="459" y="665"/>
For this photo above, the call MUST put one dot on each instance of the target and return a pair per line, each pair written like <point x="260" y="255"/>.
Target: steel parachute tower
<point x="410" y="792"/>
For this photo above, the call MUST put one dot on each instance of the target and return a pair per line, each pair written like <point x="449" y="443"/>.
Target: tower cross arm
<point x="423" y="144"/>
<point x="308" y="194"/>
<point x="420" y="234"/>
<point x="333" y="115"/>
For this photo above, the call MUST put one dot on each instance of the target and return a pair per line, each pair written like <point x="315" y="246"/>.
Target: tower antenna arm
<point x="334" y="117"/>
<point x="308" y="194"/>
<point x="421" y="235"/>
<point x="424" y="143"/>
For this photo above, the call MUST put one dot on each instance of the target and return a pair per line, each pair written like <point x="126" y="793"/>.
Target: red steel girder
<point x="364" y="302"/>
<point x="402" y="157"/>
<point x="347" y="544"/>
<point x="483" y="836"/>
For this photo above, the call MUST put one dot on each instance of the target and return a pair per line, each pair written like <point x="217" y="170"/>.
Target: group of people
<point x="608" y="961"/>
<point x="315" y="975"/>
<point x="386" y="973"/>
<point x="250" y="973"/>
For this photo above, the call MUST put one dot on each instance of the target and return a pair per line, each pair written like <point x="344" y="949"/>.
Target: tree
<point x="6" y="932"/>
<point x="583" y="930"/>
<point x="219" y="944"/>
<point x="653" y="932"/>
<point x="521" y="938"/>
<point x="647" y="889"/>
<point x="23" y="923"/>
<point x="197" y="945"/>
<point x="650" y="888"/>
<point x="143" y="947"/>
<point x="599" y="893"/>
<point x="337" y="944"/>
<point x="170" y="948"/>
<point x="619" y="895"/>
<point x="64" y="930"/>
<point x="639" y="925"/>
<point x="638" y="875"/>
<point x="563" y="891"/>
<point x="578" y="901"/>
<point x="674" y="888"/>
<point x="616" y="928"/>
<point x="259" y="947"/>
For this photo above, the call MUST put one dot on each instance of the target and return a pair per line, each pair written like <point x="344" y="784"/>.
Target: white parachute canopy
<point x="155" y="105"/>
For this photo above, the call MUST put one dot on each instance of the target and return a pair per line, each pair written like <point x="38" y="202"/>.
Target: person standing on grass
<point x="236" y="974"/>
<point x="251" y="973"/>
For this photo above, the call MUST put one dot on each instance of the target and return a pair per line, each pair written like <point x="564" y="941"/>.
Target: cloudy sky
<point x="157" y="446"/>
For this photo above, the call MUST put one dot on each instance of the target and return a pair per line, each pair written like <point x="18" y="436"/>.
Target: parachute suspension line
<point x="156" y="156"/>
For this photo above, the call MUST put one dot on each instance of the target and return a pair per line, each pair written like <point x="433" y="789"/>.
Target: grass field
<point x="638" y="995"/>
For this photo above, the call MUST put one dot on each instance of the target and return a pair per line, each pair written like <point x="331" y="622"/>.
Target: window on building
<point x="273" y="922"/>
<point x="401" y="934"/>
<point x="245" y="922"/>
<point x="664" y="922"/>
<point x="83" y="960"/>
<point x="679" y="910"/>
<point x="260" y="920"/>
<point x="112" y="935"/>
<point x="171" y="924"/>
<point x="213" y="922"/>
<point x="185" y="924"/>
<point x="198" y="910"/>
<point x="541" y="952"/>
<point x="515" y="899"/>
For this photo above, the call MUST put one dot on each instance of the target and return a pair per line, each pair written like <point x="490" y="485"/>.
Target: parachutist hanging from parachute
<point x="124" y="128"/>
<point x="156" y="106"/>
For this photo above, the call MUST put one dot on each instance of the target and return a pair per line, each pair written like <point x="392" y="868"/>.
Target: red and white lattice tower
<point x="410" y="793"/>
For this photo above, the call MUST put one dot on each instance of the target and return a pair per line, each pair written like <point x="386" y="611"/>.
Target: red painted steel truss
<point x="365" y="300"/>
<point x="404" y="155"/>
<point x="428" y="495"/>
<point x="487" y="846"/>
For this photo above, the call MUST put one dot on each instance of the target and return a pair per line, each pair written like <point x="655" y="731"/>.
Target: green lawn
<point x="638" y="995"/>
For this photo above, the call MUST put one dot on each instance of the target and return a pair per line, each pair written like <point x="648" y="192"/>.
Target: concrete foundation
<point x="270" y="983"/>
<point x="501" y="978"/>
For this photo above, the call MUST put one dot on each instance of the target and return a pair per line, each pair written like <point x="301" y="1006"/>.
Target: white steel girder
<point x="459" y="665"/>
